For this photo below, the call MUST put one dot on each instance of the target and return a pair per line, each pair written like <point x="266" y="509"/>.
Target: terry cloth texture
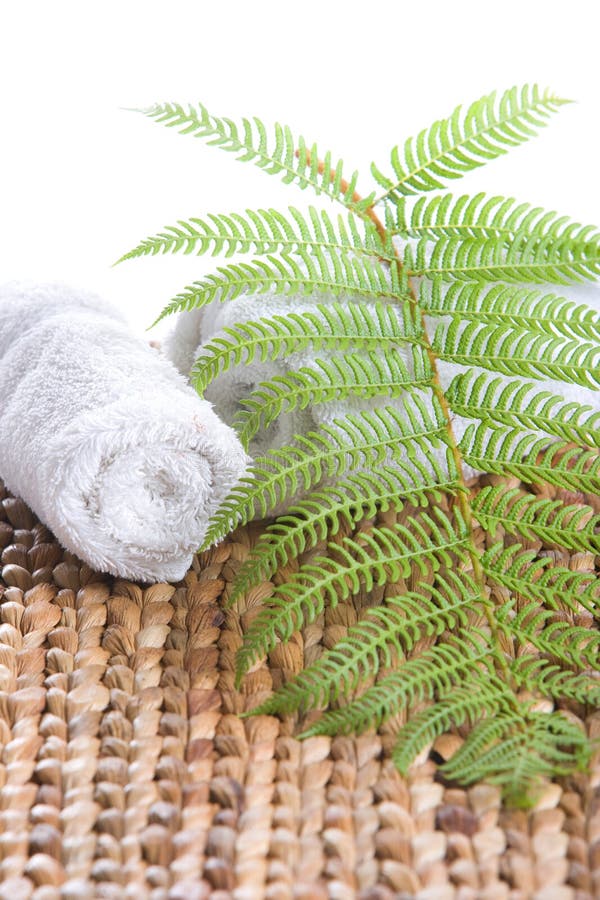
<point x="194" y="329"/>
<point x="128" y="774"/>
<point x="102" y="436"/>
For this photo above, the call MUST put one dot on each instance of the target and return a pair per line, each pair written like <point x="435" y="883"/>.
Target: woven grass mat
<point x="125" y="770"/>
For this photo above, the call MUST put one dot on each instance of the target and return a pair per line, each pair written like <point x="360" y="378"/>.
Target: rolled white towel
<point x="199" y="327"/>
<point x="103" y="438"/>
<point x="193" y="330"/>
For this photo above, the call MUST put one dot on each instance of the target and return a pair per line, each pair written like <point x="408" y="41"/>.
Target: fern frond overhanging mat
<point x="407" y="286"/>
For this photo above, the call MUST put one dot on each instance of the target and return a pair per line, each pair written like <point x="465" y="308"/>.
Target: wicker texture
<point x="125" y="770"/>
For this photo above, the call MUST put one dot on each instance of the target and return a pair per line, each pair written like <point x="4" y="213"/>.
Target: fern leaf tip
<point x="156" y="321"/>
<point x="145" y="110"/>
<point x="121" y="259"/>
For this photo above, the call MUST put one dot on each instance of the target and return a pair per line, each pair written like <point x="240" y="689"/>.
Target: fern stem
<point x="356" y="199"/>
<point x="436" y="384"/>
<point x="462" y="493"/>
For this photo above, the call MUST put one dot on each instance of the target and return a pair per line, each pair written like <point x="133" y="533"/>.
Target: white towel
<point x="194" y="329"/>
<point x="103" y="438"/>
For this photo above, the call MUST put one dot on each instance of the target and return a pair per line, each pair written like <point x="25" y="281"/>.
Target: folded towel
<point x="103" y="438"/>
<point x="194" y="329"/>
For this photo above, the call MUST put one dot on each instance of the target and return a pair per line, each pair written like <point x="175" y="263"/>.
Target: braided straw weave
<point x="125" y="770"/>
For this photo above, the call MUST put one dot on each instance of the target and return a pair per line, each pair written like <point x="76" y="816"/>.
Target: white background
<point x="82" y="180"/>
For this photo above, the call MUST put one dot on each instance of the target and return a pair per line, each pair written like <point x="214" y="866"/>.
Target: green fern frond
<point x="355" y="442"/>
<point x="510" y="350"/>
<point x="574" y="527"/>
<point x="517" y="751"/>
<point x="537" y="260"/>
<point x="265" y="231"/>
<point x="434" y="671"/>
<point x="532" y="627"/>
<point x="364" y="375"/>
<point x="374" y="642"/>
<point x="478" y="396"/>
<point x="499" y="305"/>
<point x="329" y="326"/>
<point x="512" y="451"/>
<point x="373" y="557"/>
<point x="463" y="703"/>
<point x="303" y="273"/>
<point x="480" y="621"/>
<point x="481" y="216"/>
<point x="525" y="573"/>
<point x="277" y="152"/>
<point x="319" y="515"/>
<point x="552" y="681"/>
<point x="488" y="128"/>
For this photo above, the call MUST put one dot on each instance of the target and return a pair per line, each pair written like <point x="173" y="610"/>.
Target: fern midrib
<point x="250" y="421"/>
<point x="516" y="265"/>
<point x="462" y="500"/>
<point x="209" y="291"/>
<point x="526" y="323"/>
<point x="549" y="426"/>
<point x="462" y="490"/>
<point x="449" y="231"/>
<point x="155" y="245"/>
<point x="546" y="533"/>
<point x="546" y="368"/>
<point x="281" y="344"/>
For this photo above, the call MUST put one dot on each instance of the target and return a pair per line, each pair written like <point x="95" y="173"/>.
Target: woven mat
<point x="125" y="770"/>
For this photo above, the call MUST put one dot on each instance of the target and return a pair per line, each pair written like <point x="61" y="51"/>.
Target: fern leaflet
<point x="480" y="216"/>
<point x="522" y="404"/>
<point x="531" y="626"/>
<point x="512" y="451"/>
<point x="575" y="527"/>
<point x="264" y="231"/>
<point x="302" y="273"/>
<point x="435" y="670"/>
<point x="454" y="146"/>
<point x="552" y="681"/>
<point x="371" y="558"/>
<point x="537" y="260"/>
<point x="373" y="643"/>
<point x="331" y="326"/>
<point x="514" y="351"/>
<point x="524" y="309"/>
<point x="359" y="495"/>
<point x="516" y="751"/>
<point x="358" y="441"/>
<point x="278" y="153"/>
<point x="535" y="578"/>
<point x="340" y="377"/>
<point x="452" y="708"/>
